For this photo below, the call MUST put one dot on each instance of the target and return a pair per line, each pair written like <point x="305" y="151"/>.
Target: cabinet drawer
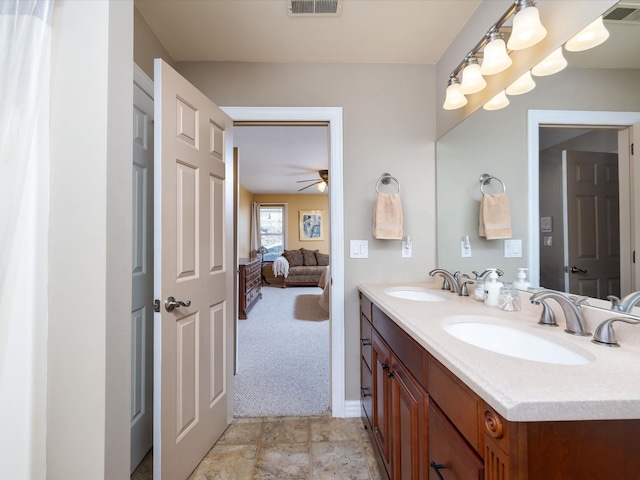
<point x="455" y="399"/>
<point x="366" y="390"/>
<point x="405" y="348"/>
<point x="365" y="306"/>
<point x="449" y="450"/>
<point x="365" y="340"/>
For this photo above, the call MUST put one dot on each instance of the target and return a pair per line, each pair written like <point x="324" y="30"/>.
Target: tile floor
<point x="301" y="448"/>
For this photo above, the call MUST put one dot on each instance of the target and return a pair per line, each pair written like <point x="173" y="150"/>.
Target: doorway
<point x="332" y="115"/>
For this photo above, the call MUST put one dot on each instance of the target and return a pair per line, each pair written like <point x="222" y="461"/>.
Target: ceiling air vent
<point x="315" y="7"/>
<point x="627" y="12"/>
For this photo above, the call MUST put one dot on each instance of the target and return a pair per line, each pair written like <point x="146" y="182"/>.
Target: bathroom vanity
<point x="439" y="407"/>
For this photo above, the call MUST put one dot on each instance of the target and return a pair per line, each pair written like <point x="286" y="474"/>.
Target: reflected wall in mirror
<point x="501" y="144"/>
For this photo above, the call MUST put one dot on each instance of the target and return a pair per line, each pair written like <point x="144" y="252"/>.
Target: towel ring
<point x="385" y="179"/>
<point x="486" y="178"/>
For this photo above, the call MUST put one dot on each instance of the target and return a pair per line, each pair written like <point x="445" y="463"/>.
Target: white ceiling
<point x="273" y="159"/>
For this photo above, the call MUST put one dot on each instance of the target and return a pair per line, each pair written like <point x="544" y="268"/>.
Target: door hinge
<point x="634" y="256"/>
<point x="632" y="149"/>
<point x="156" y="305"/>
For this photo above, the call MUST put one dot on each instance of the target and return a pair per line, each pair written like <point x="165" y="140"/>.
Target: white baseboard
<point x="352" y="409"/>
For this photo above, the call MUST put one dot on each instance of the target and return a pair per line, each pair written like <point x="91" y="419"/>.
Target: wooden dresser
<point x="249" y="283"/>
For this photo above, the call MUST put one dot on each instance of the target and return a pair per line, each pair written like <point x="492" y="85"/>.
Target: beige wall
<point x="295" y="203"/>
<point x="146" y="45"/>
<point x="389" y="126"/>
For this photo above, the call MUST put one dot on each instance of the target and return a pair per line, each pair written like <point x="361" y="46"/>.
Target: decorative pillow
<point x="323" y="259"/>
<point x="294" y="257"/>
<point x="309" y="257"/>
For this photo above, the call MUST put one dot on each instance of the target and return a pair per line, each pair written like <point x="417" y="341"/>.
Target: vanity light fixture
<point x="591" y="36"/>
<point x="472" y="81"/>
<point x="550" y="65"/>
<point x="522" y="85"/>
<point x="497" y="102"/>
<point x="496" y="59"/>
<point x="454" y="97"/>
<point x="527" y="28"/>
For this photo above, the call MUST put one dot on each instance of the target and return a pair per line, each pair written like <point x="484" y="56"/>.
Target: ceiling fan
<point x="322" y="182"/>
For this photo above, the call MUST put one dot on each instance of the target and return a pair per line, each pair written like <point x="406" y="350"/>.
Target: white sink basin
<point x="414" y="293"/>
<point x="514" y="343"/>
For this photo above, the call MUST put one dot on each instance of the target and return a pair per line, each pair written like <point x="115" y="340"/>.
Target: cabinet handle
<point x="385" y="366"/>
<point x="391" y="374"/>
<point x="364" y="393"/>
<point x="365" y="341"/>
<point x="436" y="467"/>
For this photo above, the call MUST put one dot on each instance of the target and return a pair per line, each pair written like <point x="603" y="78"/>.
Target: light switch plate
<point x="512" y="248"/>
<point x="358" y="249"/>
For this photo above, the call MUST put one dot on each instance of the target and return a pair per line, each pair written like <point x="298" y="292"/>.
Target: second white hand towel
<point x="387" y="217"/>
<point x="495" y="216"/>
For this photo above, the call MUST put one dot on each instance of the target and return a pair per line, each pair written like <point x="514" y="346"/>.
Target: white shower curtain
<point x="25" y="30"/>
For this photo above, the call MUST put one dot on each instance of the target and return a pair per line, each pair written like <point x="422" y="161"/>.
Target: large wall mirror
<point x="588" y="107"/>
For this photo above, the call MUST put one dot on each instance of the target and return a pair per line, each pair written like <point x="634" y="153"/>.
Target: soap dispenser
<point x="522" y="283"/>
<point x="492" y="288"/>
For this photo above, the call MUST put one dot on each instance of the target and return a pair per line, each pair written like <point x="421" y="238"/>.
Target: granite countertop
<point x="607" y="387"/>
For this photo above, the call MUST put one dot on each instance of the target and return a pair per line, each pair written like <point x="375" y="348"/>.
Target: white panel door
<point x="142" y="279"/>
<point x="593" y="223"/>
<point x="190" y="357"/>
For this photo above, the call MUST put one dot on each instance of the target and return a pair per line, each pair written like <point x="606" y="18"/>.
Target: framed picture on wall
<point x="311" y="225"/>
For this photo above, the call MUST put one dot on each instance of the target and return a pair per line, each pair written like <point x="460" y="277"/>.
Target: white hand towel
<point x="387" y="217"/>
<point x="495" y="217"/>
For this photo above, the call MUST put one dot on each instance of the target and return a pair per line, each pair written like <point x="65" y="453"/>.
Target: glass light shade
<point x="454" y="97"/>
<point x="496" y="59"/>
<point x="522" y="85"/>
<point x="472" y="80"/>
<point x="322" y="186"/>
<point x="527" y="29"/>
<point x="550" y="65"/>
<point x="592" y="36"/>
<point x="497" y="102"/>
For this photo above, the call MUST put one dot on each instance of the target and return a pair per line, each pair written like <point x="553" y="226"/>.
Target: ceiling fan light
<point x="550" y="65"/>
<point x="472" y="80"/>
<point x="497" y="102"/>
<point x="522" y="85"/>
<point x="591" y="36"/>
<point x="496" y="59"/>
<point x="322" y="186"/>
<point x="527" y="28"/>
<point x="454" y="98"/>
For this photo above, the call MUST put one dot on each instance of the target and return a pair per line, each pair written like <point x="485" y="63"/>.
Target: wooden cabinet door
<point x="381" y="421"/>
<point x="409" y="404"/>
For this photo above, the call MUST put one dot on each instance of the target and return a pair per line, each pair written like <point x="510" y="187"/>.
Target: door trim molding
<point x="535" y="118"/>
<point x="333" y="115"/>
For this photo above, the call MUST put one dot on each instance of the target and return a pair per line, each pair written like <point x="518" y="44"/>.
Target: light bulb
<point x="527" y="28"/>
<point x="496" y="59"/>
<point x="550" y="65"/>
<point x="522" y="85"/>
<point x="454" y="97"/>
<point x="591" y="36"/>
<point x="497" y="102"/>
<point x="472" y="80"/>
<point x="322" y="186"/>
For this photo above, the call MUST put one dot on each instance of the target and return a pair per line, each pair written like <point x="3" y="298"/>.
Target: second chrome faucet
<point x="574" y="319"/>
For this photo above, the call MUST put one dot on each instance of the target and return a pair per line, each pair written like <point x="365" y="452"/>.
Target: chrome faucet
<point x="626" y="304"/>
<point x="605" y="335"/>
<point x="481" y="276"/>
<point x="450" y="282"/>
<point x="573" y="316"/>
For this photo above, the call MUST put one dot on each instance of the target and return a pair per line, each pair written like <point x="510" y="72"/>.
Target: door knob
<point x="172" y="303"/>
<point x="577" y="270"/>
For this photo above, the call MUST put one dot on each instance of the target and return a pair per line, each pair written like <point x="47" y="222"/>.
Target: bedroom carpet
<point x="283" y="355"/>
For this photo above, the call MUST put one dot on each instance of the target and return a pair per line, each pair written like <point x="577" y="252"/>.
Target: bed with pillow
<point x="300" y="267"/>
